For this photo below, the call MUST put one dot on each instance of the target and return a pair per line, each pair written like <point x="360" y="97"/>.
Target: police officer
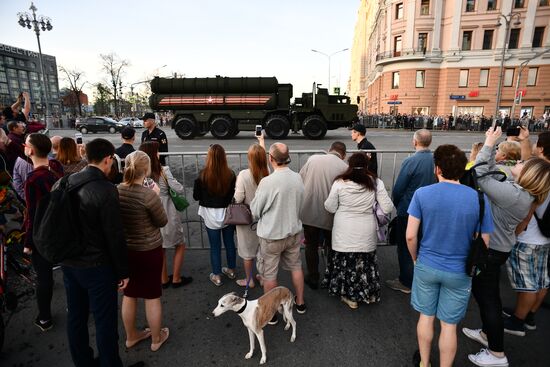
<point x="153" y="133"/>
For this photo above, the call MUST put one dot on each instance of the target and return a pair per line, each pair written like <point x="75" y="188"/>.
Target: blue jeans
<point x="406" y="266"/>
<point x="92" y="289"/>
<point x="215" y="239"/>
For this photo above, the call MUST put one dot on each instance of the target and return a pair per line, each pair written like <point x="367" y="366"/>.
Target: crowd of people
<point x="470" y="122"/>
<point x="334" y="201"/>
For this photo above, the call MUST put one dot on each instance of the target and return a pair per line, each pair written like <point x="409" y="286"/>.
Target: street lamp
<point x="158" y="69"/>
<point x="328" y="57"/>
<point x="507" y="19"/>
<point x="521" y="67"/>
<point x="44" y="23"/>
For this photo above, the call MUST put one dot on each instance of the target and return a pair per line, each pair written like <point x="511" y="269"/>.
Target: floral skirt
<point x="353" y="275"/>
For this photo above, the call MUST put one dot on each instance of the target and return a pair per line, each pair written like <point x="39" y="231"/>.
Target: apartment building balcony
<point x="383" y="58"/>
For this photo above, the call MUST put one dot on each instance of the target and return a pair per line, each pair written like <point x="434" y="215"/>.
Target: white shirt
<point x="532" y="235"/>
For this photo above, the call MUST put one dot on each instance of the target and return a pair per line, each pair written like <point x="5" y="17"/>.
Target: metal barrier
<point x="186" y="166"/>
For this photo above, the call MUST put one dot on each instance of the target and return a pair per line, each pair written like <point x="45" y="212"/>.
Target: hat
<point x="361" y="129"/>
<point x="148" y="115"/>
<point x="128" y="132"/>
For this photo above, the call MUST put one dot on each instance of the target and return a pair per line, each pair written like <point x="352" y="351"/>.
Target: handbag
<point x="237" y="214"/>
<point x="479" y="253"/>
<point x="180" y="202"/>
<point x="382" y="219"/>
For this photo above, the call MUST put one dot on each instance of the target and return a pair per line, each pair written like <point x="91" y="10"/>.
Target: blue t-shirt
<point x="449" y="215"/>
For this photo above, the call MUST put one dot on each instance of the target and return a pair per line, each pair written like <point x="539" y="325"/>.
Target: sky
<point x="198" y="38"/>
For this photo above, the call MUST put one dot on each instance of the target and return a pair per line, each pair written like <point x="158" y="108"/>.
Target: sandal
<point x="229" y="273"/>
<point x="164" y="333"/>
<point x="145" y="333"/>
<point x="242" y="283"/>
<point x="216" y="279"/>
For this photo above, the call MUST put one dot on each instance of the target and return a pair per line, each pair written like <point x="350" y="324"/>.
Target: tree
<point x="75" y="79"/>
<point x="102" y="94"/>
<point x="114" y="67"/>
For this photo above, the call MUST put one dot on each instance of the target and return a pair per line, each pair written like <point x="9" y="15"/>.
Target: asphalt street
<point x="329" y="334"/>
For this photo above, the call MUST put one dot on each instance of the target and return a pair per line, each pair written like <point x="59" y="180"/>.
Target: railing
<point x="420" y="52"/>
<point x="186" y="166"/>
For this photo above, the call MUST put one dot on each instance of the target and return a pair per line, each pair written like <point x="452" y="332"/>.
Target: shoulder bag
<point x="180" y="202"/>
<point x="477" y="257"/>
<point x="382" y="220"/>
<point x="237" y="214"/>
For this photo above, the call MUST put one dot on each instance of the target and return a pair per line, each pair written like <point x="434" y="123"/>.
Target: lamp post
<point x="507" y="19"/>
<point x="521" y="67"/>
<point x="41" y="22"/>
<point x="328" y="57"/>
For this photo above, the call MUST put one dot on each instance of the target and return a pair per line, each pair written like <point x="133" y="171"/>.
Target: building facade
<point x="441" y="57"/>
<point x="20" y="72"/>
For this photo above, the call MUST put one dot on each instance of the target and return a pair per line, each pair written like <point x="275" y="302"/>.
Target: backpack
<point x="544" y="222"/>
<point x="56" y="229"/>
<point x="471" y="176"/>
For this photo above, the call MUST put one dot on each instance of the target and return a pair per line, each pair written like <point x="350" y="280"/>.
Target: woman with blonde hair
<point x="214" y="189"/>
<point x="69" y="157"/>
<point x="510" y="204"/>
<point x="142" y="217"/>
<point x="245" y="190"/>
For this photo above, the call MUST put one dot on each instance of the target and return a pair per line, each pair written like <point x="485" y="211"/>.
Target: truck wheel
<point x="222" y="128"/>
<point x="185" y="128"/>
<point x="277" y="127"/>
<point x="314" y="127"/>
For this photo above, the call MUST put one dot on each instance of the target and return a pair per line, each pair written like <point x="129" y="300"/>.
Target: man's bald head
<point x="423" y="137"/>
<point x="279" y="153"/>
<point x="55" y="142"/>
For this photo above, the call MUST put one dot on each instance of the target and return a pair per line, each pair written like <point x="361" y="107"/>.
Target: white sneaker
<point x="486" y="359"/>
<point x="475" y="334"/>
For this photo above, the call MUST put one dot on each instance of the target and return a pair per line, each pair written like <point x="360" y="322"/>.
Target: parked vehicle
<point x="98" y="124"/>
<point x="131" y="121"/>
<point x="224" y="106"/>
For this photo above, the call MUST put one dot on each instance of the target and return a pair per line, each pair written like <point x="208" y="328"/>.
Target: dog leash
<point x="245" y="294"/>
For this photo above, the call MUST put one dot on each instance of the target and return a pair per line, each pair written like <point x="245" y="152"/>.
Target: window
<point x="399" y="11"/>
<point x="532" y="76"/>
<point x="491" y="4"/>
<point x="3" y="77"/>
<point x="488" y="39"/>
<point x="53" y="88"/>
<point x="10" y="60"/>
<point x="508" y="77"/>
<point x="538" y="35"/>
<point x="23" y="74"/>
<point x="33" y="75"/>
<point x="470" y="6"/>
<point x="483" y="77"/>
<point x="422" y="42"/>
<point x="425" y="7"/>
<point x="24" y="85"/>
<point x="466" y="40"/>
<point x="14" y="85"/>
<point x="51" y="78"/>
<point x="463" y="78"/>
<point x="544" y="2"/>
<point x="397" y="46"/>
<point x="4" y="88"/>
<point x="21" y="62"/>
<point x="519" y="3"/>
<point x="420" y="76"/>
<point x="12" y="73"/>
<point x="514" y="39"/>
<point x="395" y="80"/>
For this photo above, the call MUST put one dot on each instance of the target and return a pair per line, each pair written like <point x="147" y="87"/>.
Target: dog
<point x="257" y="313"/>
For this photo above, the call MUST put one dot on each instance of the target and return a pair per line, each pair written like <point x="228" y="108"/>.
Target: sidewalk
<point x="329" y="334"/>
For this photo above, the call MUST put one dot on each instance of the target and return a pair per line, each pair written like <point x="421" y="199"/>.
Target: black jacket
<point x="373" y="162"/>
<point x="201" y="194"/>
<point x="99" y="214"/>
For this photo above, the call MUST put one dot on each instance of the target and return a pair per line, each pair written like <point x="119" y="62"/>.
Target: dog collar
<point x="241" y="310"/>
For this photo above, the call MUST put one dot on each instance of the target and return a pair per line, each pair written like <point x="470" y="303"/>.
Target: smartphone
<point x="78" y="137"/>
<point x="258" y="130"/>
<point x="148" y="182"/>
<point x="513" y="131"/>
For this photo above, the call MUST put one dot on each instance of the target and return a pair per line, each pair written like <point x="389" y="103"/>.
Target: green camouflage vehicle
<point x="225" y="106"/>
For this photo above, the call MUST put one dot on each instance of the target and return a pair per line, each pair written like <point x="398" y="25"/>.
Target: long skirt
<point x="353" y="275"/>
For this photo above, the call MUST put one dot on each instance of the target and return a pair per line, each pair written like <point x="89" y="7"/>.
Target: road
<point x="329" y="334"/>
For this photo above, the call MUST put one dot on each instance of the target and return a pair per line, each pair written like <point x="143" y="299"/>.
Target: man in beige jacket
<point x="318" y="175"/>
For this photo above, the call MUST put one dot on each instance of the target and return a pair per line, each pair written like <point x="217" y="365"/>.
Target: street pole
<point x="508" y="19"/>
<point x="521" y="68"/>
<point x="329" y="57"/>
<point x="44" y="23"/>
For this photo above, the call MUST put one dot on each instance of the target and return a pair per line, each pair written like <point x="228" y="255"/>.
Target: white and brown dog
<point x="257" y="313"/>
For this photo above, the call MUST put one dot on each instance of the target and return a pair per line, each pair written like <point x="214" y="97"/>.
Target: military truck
<point x="225" y="106"/>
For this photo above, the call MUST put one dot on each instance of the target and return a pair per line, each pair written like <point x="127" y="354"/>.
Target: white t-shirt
<point x="213" y="217"/>
<point x="532" y="234"/>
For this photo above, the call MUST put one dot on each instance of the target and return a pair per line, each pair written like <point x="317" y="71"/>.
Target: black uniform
<point x="373" y="162"/>
<point x="159" y="136"/>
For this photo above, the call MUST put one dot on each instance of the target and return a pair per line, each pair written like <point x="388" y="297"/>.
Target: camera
<point x="258" y="130"/>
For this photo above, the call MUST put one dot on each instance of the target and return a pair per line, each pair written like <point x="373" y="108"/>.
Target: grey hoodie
<point x="510" y="203"/>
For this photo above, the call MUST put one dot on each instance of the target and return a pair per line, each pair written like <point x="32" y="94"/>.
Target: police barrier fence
<point x="186" y="166"/>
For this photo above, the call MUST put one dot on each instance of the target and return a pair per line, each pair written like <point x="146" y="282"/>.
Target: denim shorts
<point x="440" y="293"/>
